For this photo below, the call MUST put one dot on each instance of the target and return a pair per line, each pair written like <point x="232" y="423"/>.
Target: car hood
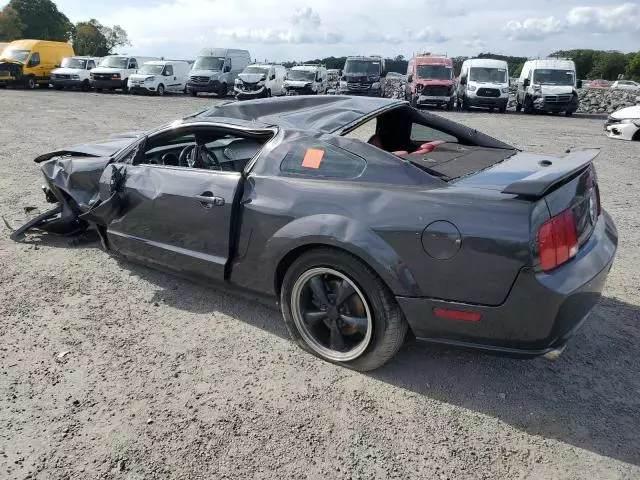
<point x="106" y="148"/>
<point x="556" y="89"/>
<point x="628" y="112"/>
<point x="297" y="83"/>
<point x="140" y="76"/>
<point x="8" y="60"/>
<point x="497" y="86"/>
<point x="67" y="71"/>
<point x="108" y="70"/>
<point x="251" y="77"/>
<point x="205" y="73"/>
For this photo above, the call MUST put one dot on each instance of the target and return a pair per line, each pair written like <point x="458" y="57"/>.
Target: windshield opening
<point x="17" y="55"/>
<point x="553" y="77"/>
<point x="488" y="75"/>
<point x="209" y="63"/>
<point x="301" y="75"/>
<point x="78" y="63"/>
<point x="362" y="67"/>
<point x="151" y="69"/>
<point x="114" y="62"/>
<point x="263" y="70"/>
<point x="434" y="72"/>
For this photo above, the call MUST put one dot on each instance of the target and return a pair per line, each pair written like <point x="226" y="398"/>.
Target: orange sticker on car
<point x="313" y="158"/>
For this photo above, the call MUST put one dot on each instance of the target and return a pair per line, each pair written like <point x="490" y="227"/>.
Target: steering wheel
<point x="184" y="160"/>
<point x="209" y="158"/>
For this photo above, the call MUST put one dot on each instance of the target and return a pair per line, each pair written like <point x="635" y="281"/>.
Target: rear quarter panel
<point x="384" y="225"/>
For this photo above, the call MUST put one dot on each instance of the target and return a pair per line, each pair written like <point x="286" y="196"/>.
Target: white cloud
<point x="297" y="29"/>
<point x="430" y="35"/>
<point x="606" y="19"/>
<point x="533" y="28"/>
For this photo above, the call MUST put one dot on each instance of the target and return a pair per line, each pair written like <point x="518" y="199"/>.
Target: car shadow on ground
<point x="589" y="398"/>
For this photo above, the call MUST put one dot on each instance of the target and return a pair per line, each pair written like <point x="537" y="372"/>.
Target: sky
<point x="279" y="30"/>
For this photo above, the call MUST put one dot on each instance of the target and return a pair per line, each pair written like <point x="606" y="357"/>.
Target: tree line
<point x="41" y="19"/>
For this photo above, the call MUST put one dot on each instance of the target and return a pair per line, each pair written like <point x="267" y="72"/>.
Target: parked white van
<point x="306" y="80"/>
<point x="160" y="77"/>
<point x="216" y="69"/>
<point x="114" y="70"/>
<point x="74" y="72"/>
<point x="484" y="82"/>
<point x="548" y="85"/>
<point x="260" y="80"/>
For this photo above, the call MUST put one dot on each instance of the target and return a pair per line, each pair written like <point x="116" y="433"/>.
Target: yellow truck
<point x="29" y="62"/>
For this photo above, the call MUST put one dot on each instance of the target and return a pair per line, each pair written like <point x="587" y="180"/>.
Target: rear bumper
<point x="541" y="312"/>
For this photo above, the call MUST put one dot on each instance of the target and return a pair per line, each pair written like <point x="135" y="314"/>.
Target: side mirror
<point x="409" y="78"/>
<point x="226" y="69"/>
<point x="340" y="73"/>
<point x="463" y="80"/>
<point x="579" y="83"/>
<point x="272" y="77"/>
<point x="526" y="83"/>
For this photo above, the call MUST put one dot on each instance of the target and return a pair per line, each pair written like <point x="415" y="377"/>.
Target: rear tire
<point x="381" y="326"/>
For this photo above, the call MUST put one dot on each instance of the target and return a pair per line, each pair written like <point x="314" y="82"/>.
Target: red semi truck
<point x="431" y="81"/>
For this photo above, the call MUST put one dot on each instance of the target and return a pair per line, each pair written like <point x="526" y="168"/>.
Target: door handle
<point x="208" y="200"/>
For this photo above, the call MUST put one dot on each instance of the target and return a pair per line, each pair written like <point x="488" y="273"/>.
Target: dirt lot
<point x="165" y="379"/>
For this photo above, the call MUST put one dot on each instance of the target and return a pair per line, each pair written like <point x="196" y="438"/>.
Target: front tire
<point x="161" y="90"/>
<point x="338" y="309"/>
<point x="222" y="91"/>
<point x="31" y="83"/>
<point x="528" y="105"/>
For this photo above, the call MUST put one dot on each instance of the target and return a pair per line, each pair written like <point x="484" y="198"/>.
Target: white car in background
<point x="159" y="77"/>
<point x="625" y="85"/>
<point x="624" y="124"/>
<point x="74" y="73"/>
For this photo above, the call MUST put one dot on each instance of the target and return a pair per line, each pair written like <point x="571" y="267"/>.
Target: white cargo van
<point x="74" y="72"/>
<point x="114" y="70"/>
<point x="160" y="77"/>
<point x="260" y="80"/>
<point x="306" y="80"/>
<point x="216" y="69"/>
<point x="548" y="85"/>
<point x="483" y="82"/>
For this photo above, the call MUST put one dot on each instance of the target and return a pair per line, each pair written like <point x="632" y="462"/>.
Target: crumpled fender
<point x="349" y="235"/>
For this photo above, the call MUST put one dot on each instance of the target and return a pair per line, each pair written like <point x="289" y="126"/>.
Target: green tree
<point x="11" y="27"/>
<point x="608" y="65"/>
<point x="92" y="38"/>
<point x="41" y="20"/>
<point x="633" y="68"/>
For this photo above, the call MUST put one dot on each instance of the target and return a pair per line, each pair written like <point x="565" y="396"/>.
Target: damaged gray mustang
<point x="429" y="227"/>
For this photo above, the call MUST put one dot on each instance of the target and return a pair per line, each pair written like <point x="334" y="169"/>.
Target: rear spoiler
<point x="549" y="176"/>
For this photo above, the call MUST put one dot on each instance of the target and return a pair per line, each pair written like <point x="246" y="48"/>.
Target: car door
<point x="162" y="212"/>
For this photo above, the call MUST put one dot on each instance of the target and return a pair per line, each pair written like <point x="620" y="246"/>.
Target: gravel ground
<point x="111" y="370"/>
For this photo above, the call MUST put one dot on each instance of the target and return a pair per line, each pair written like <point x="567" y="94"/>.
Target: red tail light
<point x="558" y="240"/>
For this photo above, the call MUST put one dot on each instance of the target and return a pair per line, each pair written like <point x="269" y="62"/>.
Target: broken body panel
<point x="452" y="229"/>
